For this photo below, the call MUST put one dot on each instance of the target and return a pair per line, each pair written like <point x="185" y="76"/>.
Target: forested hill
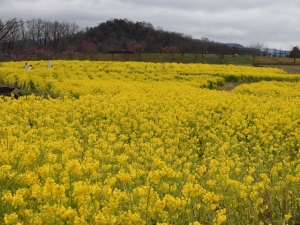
<point x="114" y="34"/>
<point x="41" y="38"/>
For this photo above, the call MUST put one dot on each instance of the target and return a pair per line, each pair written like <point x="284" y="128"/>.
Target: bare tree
<point x="46" y="33"/>
<point x="22" y="39"/>
<point x="56" y="32"/>
<point x="255" y="49"/>
<point x="36" y="30"/>
<point x="69" y="37"/>
<point x="222" y="50"/>
<point x="295" y="53"/>
<point x="183" y="43"/>
<point x="196" y="48"/>
<point x="8" y="34"/>
<point x="7" y="26"/>
<point x="16" y="39"/>
<point x="71" y="31"/>
<point x="204" y="45"/>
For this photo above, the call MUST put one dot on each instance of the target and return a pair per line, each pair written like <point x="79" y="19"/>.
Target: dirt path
<point x="229" y="86"/>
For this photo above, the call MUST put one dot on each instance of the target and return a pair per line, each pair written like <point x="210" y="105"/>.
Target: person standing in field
<point x="26" y="66"/>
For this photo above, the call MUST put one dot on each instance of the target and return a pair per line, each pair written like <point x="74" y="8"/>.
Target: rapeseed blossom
<point x="147" y="143"/>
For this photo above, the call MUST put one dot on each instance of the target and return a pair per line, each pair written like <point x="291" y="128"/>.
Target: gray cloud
<point x="271" y="22"/>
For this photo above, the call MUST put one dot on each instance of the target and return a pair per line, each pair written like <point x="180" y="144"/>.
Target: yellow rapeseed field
<point x="149" y="143"/>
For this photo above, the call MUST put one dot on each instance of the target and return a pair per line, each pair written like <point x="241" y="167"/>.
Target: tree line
<point x="37" y="37"/>
<point x="41" y="38"/>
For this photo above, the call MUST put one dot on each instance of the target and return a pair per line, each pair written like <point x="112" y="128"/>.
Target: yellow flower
<point x="73" y="166"/>
<point x="79" y="220"/>
<point x="265" y="178"/>
<point x="287" y="216"/>
<point x="220" y="217"/>
<point x="155" y="176"/>
<point x="249" y="179"/>
<point x="11" y="218"/>
<point x="69" y="213"/>
<point x="159" y="205"/>
<point x="17" y="200"/>
<point x="211" y="183"/>
<point x="195" y="223"/>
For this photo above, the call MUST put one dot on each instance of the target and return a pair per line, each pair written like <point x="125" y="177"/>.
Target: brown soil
<point x="229" y="86"/>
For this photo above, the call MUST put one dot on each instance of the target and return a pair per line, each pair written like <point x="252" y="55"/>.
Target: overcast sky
<point x="273" y="23"/>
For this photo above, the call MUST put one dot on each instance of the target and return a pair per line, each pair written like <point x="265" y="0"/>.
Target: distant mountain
<point x="273" y="52"/>
<point x="279" y="53"/>
<point x="234" y="45"/>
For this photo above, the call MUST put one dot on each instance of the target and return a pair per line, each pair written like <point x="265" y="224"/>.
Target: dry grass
<point x="274" y="60"/>
<point x="292" y="69"/>
<point x="284" y="63"/>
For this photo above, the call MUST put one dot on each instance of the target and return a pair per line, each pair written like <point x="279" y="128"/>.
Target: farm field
<point x="228" y="59"/>
<point x="149" y="143"/>
<point x="288" y="68"/>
